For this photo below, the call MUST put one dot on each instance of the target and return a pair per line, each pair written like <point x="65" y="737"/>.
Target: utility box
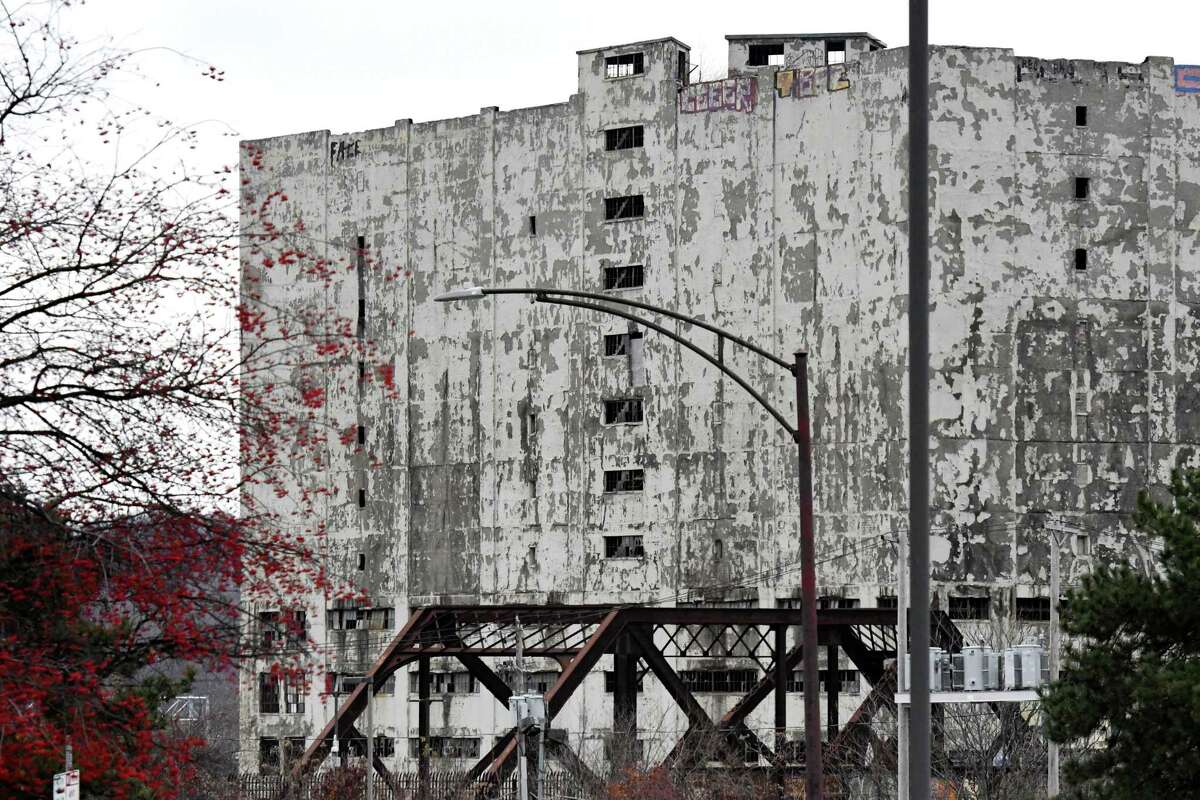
<point x="980" y="669"/>
<point x="1023" y="666"/>
<point x="529" y="710"/>
<point x="938" y="663"/>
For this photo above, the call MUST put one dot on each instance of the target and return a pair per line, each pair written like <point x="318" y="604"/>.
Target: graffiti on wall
<point x="731" y="94"/>
<point x="803" y="81"/>
<point x="343" y="150"/>
<point x="1187" y="78"/>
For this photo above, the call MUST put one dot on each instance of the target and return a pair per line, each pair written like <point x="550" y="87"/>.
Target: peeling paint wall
<point x="784" y="221"/>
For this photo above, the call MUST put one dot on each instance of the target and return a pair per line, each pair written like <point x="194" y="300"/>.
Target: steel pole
<point x="902" y="710"/>
<point x="1055" y="589"/>
<point x="918" y="389"/>
<point x="370" y="738"/>
<point x="808" y="586"/>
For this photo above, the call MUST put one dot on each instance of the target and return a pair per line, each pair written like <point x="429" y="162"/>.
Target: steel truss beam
<point x="578" y="636"/>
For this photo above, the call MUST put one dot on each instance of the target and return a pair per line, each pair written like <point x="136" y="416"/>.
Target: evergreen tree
<point x="1131" y="675"/>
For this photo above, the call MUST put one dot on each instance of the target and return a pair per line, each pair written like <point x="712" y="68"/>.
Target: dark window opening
<point x="532" y="225"/>
<point x="1082" y="185"/>
<point x="624" y="138"/>
<point x="624" y="66"/>
<point x="626" y="411"/>
<point x="362" y="560"/>
<point x="1080" y="258"/>
<point x="887" y="601"/>
<point x="610" y="681"/>
<point x="847" y="681"/>
<point x="1033" y="609"/>
<point x="625" y="276"/>
<point x="268" y="693"/>
<point x="623" y="547"/>
<point x="763" y="55"/>
<point x="1081" y="116"/>
<point x="359" y="618"/>
<point x="362" y="498"/>
<point x="360" y="244"/>
<point x="293" y="748"/>
<point x="446" y="747"/>
<point x="268" y="626"/>
<point x="835" y="51"/>
<point x="268" y="754"/>
<point x="362" y="371"/>
<point x="628" y="207"/>
<point x="444" y="683"/>
<point x="713" y="681"/>
<point x="617" y="344"/>
<point x="683" y="72"/>
<point x="385" y="746"/>
<point x="970" y="607"/>
<point x="624" y="480"/>
<point x="837" y="601"/>
<point x="362" y="434"/>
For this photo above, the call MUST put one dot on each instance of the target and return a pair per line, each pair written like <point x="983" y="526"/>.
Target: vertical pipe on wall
<point x="808" y="585"/>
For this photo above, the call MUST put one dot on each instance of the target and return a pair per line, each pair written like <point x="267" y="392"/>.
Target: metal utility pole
<point x="918" y="389"/>
<point x="522" y="762"/>
<point x="370" y="738"/>
<point x="813" y="782"/>
<point x="902" y="709"/>
<point x="1055" y="591"/>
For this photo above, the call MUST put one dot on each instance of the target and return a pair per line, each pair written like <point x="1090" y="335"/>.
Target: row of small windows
<point x="628" y="65"/>
<point x="771" y="55"/>
<point x="1026" y="609"/>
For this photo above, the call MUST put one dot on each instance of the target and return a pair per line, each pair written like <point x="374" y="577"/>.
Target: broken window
<point x="293" y="748"/>
<point x="268" y="629"/>
<point x="381" y="619"/>
<point x="1081" y="188"/>
<point x="627" y="411"/>
<point x="712" y="681"/>
<point x="444" y="683"/>
<point x="623" y="480"/>
<point x="362" y="434"/>
<point x="1081" y="258"/>
<point x="630" y="206"/>
<point x="293" y="695"/>
<point x="532" y="225"/>
<point x="887" y="601"/>
<point x="623" y="276"/>
<point x="623" y="547"/>
<point x="385" y="746"/>
<point x="268" y="755"/>
<point x="268" y="693"/>
<point x="683" y="70"/>
<point x="969" y="607"/>
<point x="617" y="344"/>
<point x="847" y="681"/>
<point x="362" y="498"/>
<point x="835" y="51"/>
<point x="626" y="138"/>
<point x="360" y="618"/>
<point x="446" y="747"/>
<point x="1081" y="116"/>
<point x="1033" y="609"/>
<point x="763" y="55"/>
<point x="540" y="681"/>
<point x="362" y="561"/>
<point x="624" y="66"/>
<point x="837" y="601"/>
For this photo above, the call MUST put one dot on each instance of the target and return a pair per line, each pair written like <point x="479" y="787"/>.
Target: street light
<point x="801" y="435"/>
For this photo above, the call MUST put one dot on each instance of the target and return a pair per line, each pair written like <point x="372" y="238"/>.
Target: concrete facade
<point x="774" y="206"/>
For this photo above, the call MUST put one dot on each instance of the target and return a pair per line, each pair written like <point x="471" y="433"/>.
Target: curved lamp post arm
<point x="559" y="297"/>
<point x="476" y="292"/>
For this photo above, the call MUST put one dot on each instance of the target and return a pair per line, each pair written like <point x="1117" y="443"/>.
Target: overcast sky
<point x="296" y="65"/>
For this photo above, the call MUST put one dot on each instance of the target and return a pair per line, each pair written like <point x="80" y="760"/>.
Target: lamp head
<point x="469" y="293"/>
